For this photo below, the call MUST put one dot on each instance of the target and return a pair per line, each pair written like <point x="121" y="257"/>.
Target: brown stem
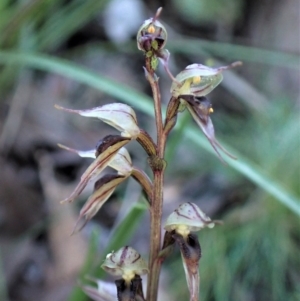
<point x="157" y="164"/>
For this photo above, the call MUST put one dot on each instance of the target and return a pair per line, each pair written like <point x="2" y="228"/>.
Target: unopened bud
<point x="152" y="35"/>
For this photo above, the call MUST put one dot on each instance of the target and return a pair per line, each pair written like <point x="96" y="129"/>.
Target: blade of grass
<point x="236" y="52"/>
<point x="62" y="24"/>
<point x="144" y="104"/>
<point x="3" y="286"/>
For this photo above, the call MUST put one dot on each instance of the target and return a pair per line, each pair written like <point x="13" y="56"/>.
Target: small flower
<point x="126" y="263"/>
<point x="198" y="80"/>
<point x="152" y="38"/>
<point x="152" y="35"/>
<point x="187" y="218"/>
<point x="188" y="90"/>
<point x="107" y="150"/>
<point x="106" y="185"/>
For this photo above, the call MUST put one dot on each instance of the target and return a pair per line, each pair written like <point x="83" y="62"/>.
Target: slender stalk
<point x="153" y="80"/>
<point x="158" y="166"/>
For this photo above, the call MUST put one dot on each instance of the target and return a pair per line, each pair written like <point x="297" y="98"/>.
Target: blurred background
<point x="82" y="54"/>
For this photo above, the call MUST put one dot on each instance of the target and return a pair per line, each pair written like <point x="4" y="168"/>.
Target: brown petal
<point x="191" y="253"/>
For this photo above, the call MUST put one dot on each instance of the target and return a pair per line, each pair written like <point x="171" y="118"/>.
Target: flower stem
<point x="158" y="166"/>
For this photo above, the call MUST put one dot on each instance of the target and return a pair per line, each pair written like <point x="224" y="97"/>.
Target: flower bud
<point x="126" y="263"/>
<point x="118" y="115"/>
<point x="187" y="218"/>
<point x="198" y="80"/>
<point x="152" y="35"/>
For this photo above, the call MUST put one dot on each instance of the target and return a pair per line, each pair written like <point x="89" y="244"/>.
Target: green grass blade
<point x="251" y="172"/>
<point x="235" y="52"/>
<point x="61" y="25"/>
<point x="144" y="103"/>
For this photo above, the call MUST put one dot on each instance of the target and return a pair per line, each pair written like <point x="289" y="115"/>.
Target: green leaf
<point x="144" y="103"/>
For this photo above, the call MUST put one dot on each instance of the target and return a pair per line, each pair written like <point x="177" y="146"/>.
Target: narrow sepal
<point x="172" y="108"/>
<point x="82" y="154"/>
<point x="109" y="148"/>
<point x="105" y="291"/>
<point x="200" y="111"/>
<point x="168" y="245"/>
<point x="121" y="161"/>
<point x="191" y="253"/>
<point x="171" y="115"/>
<point x="145" y="140"/>
<point x="118" y="115"/>
<point x="103" y="189"/>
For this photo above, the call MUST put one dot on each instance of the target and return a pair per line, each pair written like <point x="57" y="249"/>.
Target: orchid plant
<point x="188" y="90"/>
